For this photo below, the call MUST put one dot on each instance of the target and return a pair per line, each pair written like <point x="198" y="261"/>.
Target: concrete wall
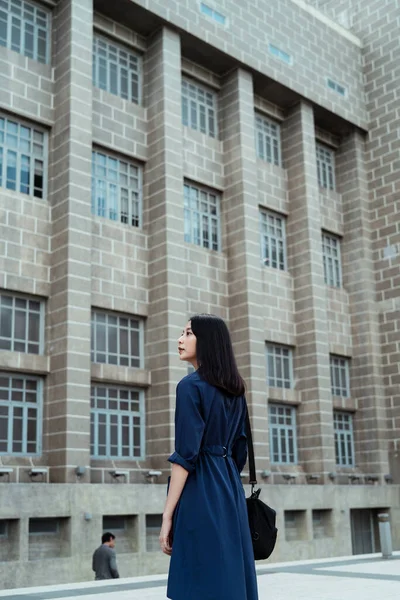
<point x="23" y="567"/>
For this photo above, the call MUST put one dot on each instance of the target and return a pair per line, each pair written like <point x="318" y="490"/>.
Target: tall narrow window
<point x="116" y="339"/>
<point x="116" y="189"/>
<point x="344" y="439"/>
<point x="325" y="167"/>
<point x="23" y="152"/>
<point x="340" y="377"/>
<point x="282" y="434"/>
<point x="20" y="414"/>
<point x="25" y="28"/>
<point x="279" y="366"/>
<point x="202" y="217"/>
<point x="199" y="108"/>
<point x="268" y="140"/>
<point x="273" y="240"/>
<point x="117" y="69"/>
<point x="331" y="260"/>
<point x="117" y="422"/>
<point x="21" y="324"/>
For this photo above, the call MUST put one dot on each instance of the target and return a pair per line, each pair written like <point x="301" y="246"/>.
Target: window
<point x="282" y="434"/>
<point x="273" y="240"/>
<point x="117" y="523"/>
<point x="43" y="526"/>
<point x="295" y="525"/>
<point x="344" y="439"/>
<point x="340" y="377"/>
<point x="25" y="28"/>
<point x="117" y="422"/>
<point x="153" y="526"/>
<point x="336" y="87"/>
<point x="22" y="158"/>
<point x="322" y="523"/>
<point x="331" y="260"/>
<point x="116" y="69"/>
<point x="268" y="140"/>
<point x="213" y="14"/>
<point x="281" y="54"/>
<point x="116" y="339"/>
<point x="116" y="189"/>
<point x="202" y="217"/>
<point x="20" y="414"/>
<point x="21" y="324"/>
<point x="279" y="366"/>
<point x="325" y="167"/>
<point x="199" y="108"/>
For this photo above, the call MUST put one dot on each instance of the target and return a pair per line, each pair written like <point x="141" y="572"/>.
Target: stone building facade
<point x="162" y="159"/>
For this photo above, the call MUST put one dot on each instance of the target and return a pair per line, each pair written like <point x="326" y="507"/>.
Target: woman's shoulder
<point x="193" y="379"/>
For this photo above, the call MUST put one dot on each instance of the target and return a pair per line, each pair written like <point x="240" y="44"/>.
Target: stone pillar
<point x="67" y="407"/>
<point x="358" y="268"/>
<point x="164" y="223"/>
<point x="242" y="237"/>
<point x="315" y="418"/>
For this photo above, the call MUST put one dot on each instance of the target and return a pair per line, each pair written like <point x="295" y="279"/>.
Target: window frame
<point x="23" y="22"/>
<point x="346" y="437"/>
<point x="141" y="414"/>
<point x="107" y="183"/>
<point x="262" y="123"/>
<point x="265" y="215"/>
<point x="346" y="367"/>
<point x="56" y="520"/>
<point x="281" y="54"/>
<point x="131" y="52"/>
<point x="41" y="322"/>
<point x="93" y="337"/>
<point x="188" y="213"/>
<point x="330" y="244"/>
<point x="326" y="169"/>
<point x="4" y="149"/>
<point x="208" y="11"/>
<point x="205" y="90"/>
<point x="269" y="346"/>
<point x="114" y="527"/>
<point x="285" y="430"/>
<point x="10" y="404"/>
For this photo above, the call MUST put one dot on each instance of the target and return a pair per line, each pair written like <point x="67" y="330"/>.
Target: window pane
<point x="113" y="67"/>
<point x="199" y="108"/>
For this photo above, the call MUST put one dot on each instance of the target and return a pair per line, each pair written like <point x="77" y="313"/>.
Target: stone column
<point x="67" y="408"/>
<point x="371" y="446"/>
<point x="164" y="223"/>
<point x="242" y="239"/>
<point x="315" y="419"/>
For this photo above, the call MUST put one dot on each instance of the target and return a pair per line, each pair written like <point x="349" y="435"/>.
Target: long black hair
<point x="215" y="358"/>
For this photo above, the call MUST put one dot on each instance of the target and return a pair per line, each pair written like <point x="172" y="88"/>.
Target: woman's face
<point x="187" y="345"/>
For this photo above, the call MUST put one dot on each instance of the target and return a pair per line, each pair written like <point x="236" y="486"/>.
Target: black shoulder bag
<point x="262" y="518"/>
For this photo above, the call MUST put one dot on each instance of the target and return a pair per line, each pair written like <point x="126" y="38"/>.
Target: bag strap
<point x="252" y="466"/>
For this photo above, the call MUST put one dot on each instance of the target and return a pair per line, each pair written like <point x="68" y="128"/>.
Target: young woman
<point x="205" y="528"/>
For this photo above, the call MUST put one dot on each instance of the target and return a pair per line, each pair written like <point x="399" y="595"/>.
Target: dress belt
<point x="221" y="451"/>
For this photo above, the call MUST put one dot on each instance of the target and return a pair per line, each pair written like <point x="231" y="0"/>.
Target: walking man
<point x="104" y="562"/>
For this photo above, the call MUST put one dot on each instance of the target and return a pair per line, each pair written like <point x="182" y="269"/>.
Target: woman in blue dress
<point x="205" y="528"/>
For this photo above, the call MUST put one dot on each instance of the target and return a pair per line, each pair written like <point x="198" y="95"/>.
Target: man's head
<point x="108" y="539"/>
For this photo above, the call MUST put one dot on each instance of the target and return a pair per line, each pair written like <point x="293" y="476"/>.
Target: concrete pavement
<point x="367" y="577"/>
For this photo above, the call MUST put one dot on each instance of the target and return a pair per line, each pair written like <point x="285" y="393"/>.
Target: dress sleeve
<point x="189" y="425"/>
<point x="239" y="449"/>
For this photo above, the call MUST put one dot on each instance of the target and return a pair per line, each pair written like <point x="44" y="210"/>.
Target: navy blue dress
<point x="212" y="555"/>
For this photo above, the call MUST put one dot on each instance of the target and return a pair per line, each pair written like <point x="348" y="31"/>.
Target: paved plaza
<point x="367" y="577"/>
